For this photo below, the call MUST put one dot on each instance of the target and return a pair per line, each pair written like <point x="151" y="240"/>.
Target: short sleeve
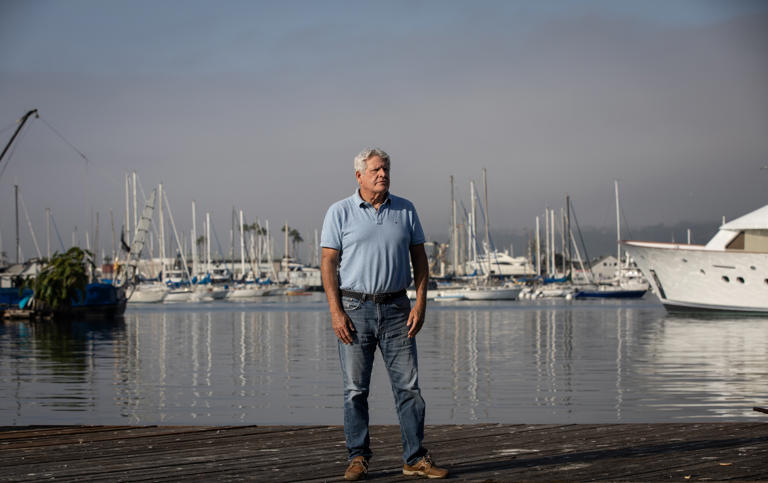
<point x="331" y="234"/>
<point x="417" y="233"/>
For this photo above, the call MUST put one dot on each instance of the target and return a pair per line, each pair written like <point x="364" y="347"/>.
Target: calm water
<point x="275" y="362"/>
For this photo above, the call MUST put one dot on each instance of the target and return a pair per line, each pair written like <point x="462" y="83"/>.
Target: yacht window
<point x="737" y="243"/>
<point x="740" y="279"/>
<point x="702" y="271"/>
<point x="726" y="279"/>
<point x="685" y="260"/>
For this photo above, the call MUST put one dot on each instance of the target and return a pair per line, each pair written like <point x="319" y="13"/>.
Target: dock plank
<point x="479" y="452"/>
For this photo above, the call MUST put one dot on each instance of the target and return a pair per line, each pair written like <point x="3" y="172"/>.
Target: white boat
<point x="501" y="263"/>
<point x="245" y="291"/>
<point x="208" y="292"/>
<point x="729" y="273"/>
<point x="480" y="293"/>
<point x="148" y="293"/>
<point x="179" y="289"/>
<point x="492" y="293"/>
<point x="555" y="290"/>
<point x="178" y="294"/>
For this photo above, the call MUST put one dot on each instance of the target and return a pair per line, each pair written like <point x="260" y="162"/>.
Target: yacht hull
<point x="695" y="278"/>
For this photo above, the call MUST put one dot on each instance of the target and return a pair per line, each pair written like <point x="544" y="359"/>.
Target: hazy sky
<point x="263" y="105"/>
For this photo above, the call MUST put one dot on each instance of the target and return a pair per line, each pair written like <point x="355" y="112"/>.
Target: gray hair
<point x="361" y="160"/>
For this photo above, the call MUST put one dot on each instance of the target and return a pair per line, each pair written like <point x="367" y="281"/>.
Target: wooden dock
<point x="481" y="452"/>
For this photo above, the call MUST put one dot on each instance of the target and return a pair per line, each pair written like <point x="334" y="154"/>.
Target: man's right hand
<point x="342" y="326"/>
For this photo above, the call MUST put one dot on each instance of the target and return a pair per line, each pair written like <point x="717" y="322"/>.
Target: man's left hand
<point x="416" y="319"/>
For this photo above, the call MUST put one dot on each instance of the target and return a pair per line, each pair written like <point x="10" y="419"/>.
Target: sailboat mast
<point x="23" y="121"/>
<point x="548" y="269"/>
<point x="538" y="248"/>
<point x="112" y="222"/>
<point x="562" y="239"/>
<point x="285" y="249"/>
<point x="128" y="231"/>
<point x="553" y="268"/>
<point x="473" y="224"/>
<point x="135" y="206"/>
<point x="568" y="231"/>
<point x="618" y="228"/>
<point x="487" y="223"/>
<point x="208" y="241"/>
<point x="242" y="247"/>
<point x="454" y="234"/>
<point x="18" y="238"/>
<point x="162" y="227"/>
<point x="48" y="232"/>
<point x="195" y="263"/>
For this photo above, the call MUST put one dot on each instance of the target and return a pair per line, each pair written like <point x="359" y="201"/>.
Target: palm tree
<point x="295" y="237"/>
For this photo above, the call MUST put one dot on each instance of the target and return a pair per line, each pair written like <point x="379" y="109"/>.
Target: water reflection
<point x="536" y="362"/>
<point x="52" y="367"/>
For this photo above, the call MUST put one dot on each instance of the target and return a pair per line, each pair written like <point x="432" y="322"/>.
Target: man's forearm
<point x="329" y="272"/>
<point x="420" y="273"/>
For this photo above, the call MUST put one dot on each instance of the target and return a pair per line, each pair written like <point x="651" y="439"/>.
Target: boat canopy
<point x="756" y="220"/>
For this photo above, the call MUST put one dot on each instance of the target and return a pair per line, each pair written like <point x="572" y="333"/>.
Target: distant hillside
<point x="602" y="241"/>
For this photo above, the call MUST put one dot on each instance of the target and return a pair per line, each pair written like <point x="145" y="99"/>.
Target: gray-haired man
<point x="369" y="241"/>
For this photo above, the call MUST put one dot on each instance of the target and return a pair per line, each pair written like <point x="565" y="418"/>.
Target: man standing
<point x="368" y="240"/>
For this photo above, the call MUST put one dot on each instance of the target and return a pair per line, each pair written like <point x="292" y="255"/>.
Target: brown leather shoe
<point x="425" y="467"/>
<point x="357" y="469"/>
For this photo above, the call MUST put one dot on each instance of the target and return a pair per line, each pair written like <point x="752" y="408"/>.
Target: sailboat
<point x="625" y="285"/>
<point x="247" y="287"/>
<point x="481" y="289"/>
<point x="151" y="291"/>
<point x="213" y="285"/>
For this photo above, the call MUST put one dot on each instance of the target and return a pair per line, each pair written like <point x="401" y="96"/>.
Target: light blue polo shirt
<point x="374" y="245"/>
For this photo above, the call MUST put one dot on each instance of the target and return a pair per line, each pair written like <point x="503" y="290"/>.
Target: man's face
<point x="375" y="179"/>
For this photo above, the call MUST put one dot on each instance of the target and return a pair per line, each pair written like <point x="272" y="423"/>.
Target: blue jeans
<point x="383" y="326"/>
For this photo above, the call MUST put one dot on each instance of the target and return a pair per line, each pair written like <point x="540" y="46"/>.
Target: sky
<point x="262" y="106"/>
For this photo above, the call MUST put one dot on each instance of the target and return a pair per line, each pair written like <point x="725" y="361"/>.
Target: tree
<point x="63" y="279"/>
<point x="295" y="237"/>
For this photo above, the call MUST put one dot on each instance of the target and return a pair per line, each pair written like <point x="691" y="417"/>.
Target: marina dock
<point x="479" y="452"/>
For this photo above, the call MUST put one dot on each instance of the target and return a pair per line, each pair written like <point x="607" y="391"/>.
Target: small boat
<point x="449" y="297"/>
<point x="147" y="293"/>
<point x="246" y="291"/>
<point x="295" y="290"/>
<point x="555" y="290"/>
<point x="179" y="293"/>
<point x="492" y="293"/>
<point x="610" y="292"/>
<point x="480" y="293"/>
<point x="208" y="292"/>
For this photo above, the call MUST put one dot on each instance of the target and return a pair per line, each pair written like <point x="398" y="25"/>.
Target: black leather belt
<point x="378" y="298"/>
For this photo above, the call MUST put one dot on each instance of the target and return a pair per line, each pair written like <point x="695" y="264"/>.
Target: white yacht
<point x="729" y="273"/>
<point x="501" y="264"/>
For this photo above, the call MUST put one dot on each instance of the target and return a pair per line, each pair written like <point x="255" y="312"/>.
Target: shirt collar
<point x="361" y="202"/>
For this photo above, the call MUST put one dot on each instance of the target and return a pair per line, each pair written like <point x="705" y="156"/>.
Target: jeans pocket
<point x="350" y="303"/>
<point x="403" y="303"/>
